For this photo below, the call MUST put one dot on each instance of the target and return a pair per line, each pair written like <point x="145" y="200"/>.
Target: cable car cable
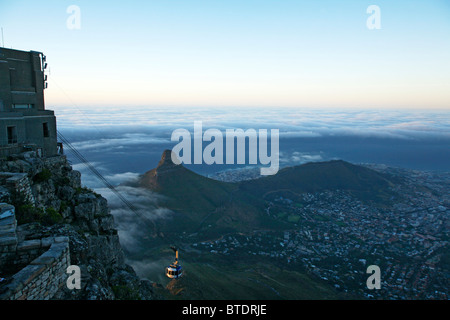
<point x="175" y="274"/>
<point x="106" y="182"/>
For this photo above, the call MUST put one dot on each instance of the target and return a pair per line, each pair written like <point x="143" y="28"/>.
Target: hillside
<point x="363" y="183"/>
<point x="246" y="281"/>
<point x="209" y="207"/>
<point x="209" y="213"/>
<point x="201" y="204"/>
<point x="188" y="189"/>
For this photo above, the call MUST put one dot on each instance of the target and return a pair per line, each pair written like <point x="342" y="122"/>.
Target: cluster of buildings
<point x="236" y="175"/>
<point x="335" y="237"/>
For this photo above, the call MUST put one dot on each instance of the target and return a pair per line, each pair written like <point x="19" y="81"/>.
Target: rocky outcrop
<point x="51" y="202"/>
<point x="166" y="168"/>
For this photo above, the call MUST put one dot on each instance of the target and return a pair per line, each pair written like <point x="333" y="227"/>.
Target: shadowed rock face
<point x="166" y="163"/>
<point x="84" y="217"/>
<point x="166" y="168"/>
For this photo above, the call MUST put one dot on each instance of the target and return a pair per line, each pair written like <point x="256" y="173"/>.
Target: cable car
<point x="174" y="271"/>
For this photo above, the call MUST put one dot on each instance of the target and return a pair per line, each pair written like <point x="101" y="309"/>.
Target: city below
<point x="335" y="237"/>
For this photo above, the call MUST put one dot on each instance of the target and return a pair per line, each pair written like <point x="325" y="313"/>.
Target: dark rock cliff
<point x="50" y="201"/>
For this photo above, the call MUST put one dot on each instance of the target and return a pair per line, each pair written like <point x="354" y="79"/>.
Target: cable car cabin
<point x="174" y="271"/>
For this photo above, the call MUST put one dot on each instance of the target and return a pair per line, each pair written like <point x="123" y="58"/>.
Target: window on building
<point x="12" y="135"/>
<point x="12" y="76"/>
<point x="22" y="106"/>
<point x="45" y="130"/>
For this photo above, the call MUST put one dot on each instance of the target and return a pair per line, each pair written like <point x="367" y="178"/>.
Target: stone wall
<point x="42" y="262"/>
<point x="8" y="237"/>
<point x="19" y="183"/>
<point x="44" y="276"/>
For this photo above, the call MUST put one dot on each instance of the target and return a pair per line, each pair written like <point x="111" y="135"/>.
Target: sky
<point x="238" y="53"/>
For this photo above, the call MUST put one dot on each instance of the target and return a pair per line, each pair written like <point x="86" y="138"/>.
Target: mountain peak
<point x="166" y="167"/>
<point x="166" y="160"/>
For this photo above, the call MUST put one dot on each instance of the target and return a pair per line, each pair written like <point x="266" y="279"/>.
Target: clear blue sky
<point x="239" y="53"/>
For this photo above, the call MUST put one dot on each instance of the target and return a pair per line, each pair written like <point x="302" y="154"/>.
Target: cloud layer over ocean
<point x="126" y="142"/>
<point x="146" y="122"/>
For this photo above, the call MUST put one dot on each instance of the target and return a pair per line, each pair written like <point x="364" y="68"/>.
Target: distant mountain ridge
<point x="201" y="203"/>
<point x="362" y="182"/>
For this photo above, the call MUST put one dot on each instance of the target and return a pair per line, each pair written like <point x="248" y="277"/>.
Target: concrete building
<point x="24" y="122"/>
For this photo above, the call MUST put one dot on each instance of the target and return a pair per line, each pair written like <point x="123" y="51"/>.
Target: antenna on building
<point x="3" y="39"/>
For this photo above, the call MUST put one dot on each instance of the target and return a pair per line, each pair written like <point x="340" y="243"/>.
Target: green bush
<point x="123" y="292"/>
<point x="64" y="205"/>
<point x="42" y="176"/>
<point x="51" y="217"/>
<point x="27" y="213"/>
<point x="81" y="190"/>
